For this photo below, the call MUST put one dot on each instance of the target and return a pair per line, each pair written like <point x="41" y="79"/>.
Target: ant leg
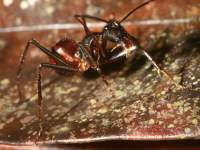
<point x="39" y="89"/>
<point x="22" y="59"/>
<point x="83" y="22"/>
<point x="88" y="32"/>
<point x="159" y="70"/>
<point x="21" y="96"/>
<point x="92" y="62"/>
<point x="102" y="76"/>
<point x="90" y="17"/>
<point x="153" y="62"/>
<point x="101" y="48"/>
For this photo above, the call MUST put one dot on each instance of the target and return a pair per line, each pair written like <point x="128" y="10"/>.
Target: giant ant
<point x="92" y="52"/>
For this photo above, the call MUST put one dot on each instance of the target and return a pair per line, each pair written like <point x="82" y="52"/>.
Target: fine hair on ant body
<point x="92" y="52"/>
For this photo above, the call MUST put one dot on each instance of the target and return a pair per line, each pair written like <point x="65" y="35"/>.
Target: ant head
<point x="113" y="30"/>
<point x="112" y="24"/>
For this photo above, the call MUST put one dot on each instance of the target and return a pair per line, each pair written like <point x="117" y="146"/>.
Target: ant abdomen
<point x="70" y="52"/>
<point x="66" y="49"/>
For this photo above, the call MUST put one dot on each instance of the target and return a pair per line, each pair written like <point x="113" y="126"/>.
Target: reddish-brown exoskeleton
<point x="92" y="52"/>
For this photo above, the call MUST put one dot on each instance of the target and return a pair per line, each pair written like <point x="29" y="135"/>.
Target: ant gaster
<point x="92" y="52"/>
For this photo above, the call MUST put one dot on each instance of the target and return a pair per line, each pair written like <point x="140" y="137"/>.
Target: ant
<point x="92" y="52"/>
<point x="126" y="45"/>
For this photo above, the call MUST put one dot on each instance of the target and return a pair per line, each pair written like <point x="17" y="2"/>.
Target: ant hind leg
<point x="39" y="90"/>
<point x="22" y="59"/>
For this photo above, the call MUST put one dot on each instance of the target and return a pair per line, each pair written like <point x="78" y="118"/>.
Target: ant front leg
<point x="99" y="47"/>
<point x="153" y="62"/>
<point x="39" y="89"/>
<point x="158" y="69"/>
<point x="92" y="62"/>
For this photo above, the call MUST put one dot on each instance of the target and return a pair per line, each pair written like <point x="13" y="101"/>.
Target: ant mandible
<point x="92" y="52"/>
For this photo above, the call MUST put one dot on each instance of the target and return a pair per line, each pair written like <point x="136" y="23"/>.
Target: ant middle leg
<point x="99" y="47"/>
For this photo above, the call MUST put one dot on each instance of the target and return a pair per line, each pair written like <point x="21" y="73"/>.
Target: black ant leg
<point x="92" y="62"/>
<point x="84" y="16"/>
<point x="39" y="87"/>
<point x="22" y="59"/>
<point x="158" y="69"/>
<point x="21" y="96"/>
<point x="87" y="54"/>
<point x="83" y="22"/>
<point x="88" y="32"/>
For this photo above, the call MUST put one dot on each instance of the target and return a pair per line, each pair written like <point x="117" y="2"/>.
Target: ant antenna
<point x="91" y="17"/>
<point x="125" y="17"/>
